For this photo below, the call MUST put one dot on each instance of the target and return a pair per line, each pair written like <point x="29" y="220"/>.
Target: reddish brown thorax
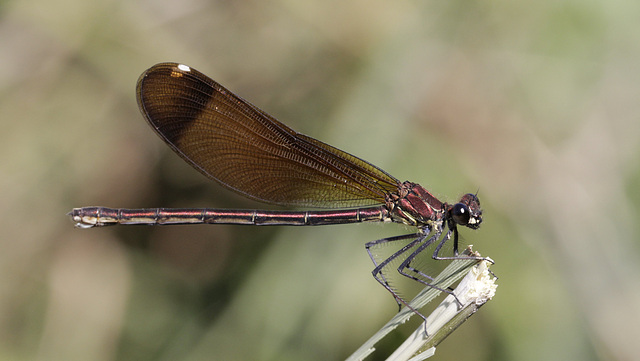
<point x="414" y="205"/>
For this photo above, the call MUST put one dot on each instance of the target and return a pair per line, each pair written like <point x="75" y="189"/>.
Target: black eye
<point x="460" y="213"/>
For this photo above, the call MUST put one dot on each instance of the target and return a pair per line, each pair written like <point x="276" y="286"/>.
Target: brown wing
<point x="243" y="148"/>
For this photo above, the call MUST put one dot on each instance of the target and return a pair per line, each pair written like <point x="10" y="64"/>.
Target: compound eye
<point x="461" y="214"/>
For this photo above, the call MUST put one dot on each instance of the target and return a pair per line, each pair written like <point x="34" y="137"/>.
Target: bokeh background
<point x="534" y="104"/>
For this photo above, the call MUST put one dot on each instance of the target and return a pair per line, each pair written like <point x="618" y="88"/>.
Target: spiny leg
<point x="416" y="274"/>
<point x="379" y="267"/>
<point x="453" y="229"/>
<point x="420" y="276"/>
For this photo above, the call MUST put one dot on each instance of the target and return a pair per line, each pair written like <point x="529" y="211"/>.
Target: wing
<point x="245" y="149"/>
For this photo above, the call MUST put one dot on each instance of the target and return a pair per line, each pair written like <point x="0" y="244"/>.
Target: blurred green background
<point x="536" y="104"/>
